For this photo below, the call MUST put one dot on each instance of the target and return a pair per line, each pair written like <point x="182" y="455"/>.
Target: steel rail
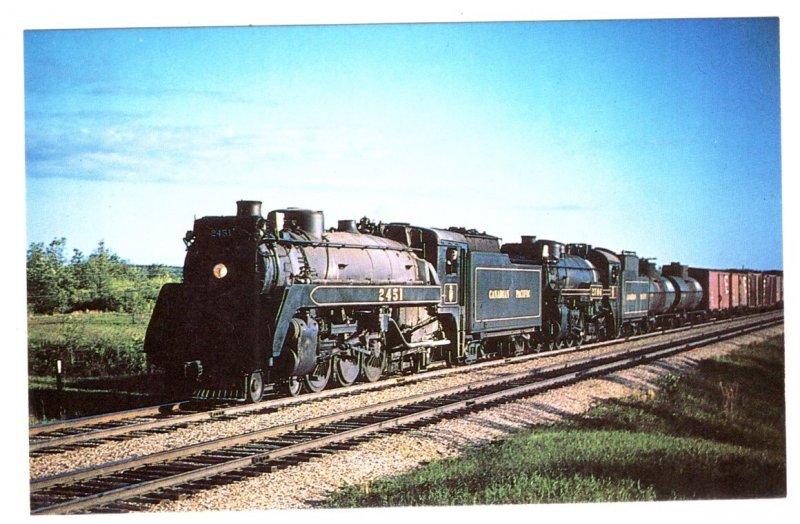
<point x="565" y="374"/>
<point x="178" y="419"/>
<point x="99" y="419"/>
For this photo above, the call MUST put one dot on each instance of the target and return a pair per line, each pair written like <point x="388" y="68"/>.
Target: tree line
<point x="101" y="281"/>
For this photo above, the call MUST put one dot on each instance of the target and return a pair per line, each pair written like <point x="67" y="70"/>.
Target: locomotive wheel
<point x="372" y="367"/>
<point x="293" y="386"/>
<point x="451" y="357"/>
<point x="255" y="387"/>
<point x="319" y="377"/>
<point x="518" y="345"/>
<point x="345" y="369"/>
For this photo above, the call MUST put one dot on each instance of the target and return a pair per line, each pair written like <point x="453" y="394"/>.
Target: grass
<point x="52" y="328"/>
<point x="88" y="345"/>
<point x="718" y="432"/>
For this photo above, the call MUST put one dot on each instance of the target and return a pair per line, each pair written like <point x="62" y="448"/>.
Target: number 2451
<point x="390" y="294"/>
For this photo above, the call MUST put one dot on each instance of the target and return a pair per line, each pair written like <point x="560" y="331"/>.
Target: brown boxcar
<point x="738" y="291"/>
<point x="768" y="290"/>
<point x="774" y="289"/>
<point x="753" y="294"/>
<point x="717" y="286"/>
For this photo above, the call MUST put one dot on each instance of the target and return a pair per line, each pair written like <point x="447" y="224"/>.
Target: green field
<point x="88" y="344"/>
<point x="718" y="432"/>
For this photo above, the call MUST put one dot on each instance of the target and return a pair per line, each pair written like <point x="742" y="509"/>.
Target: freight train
<point x="282" y="304"/>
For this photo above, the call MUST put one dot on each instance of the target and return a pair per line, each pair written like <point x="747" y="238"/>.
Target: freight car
<point x="282" y="304"/>
<point x="734" y="292"/>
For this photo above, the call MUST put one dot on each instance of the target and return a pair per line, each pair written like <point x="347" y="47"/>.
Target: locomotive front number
<point x="221" y="233"/>
<point x="390" y="294"/>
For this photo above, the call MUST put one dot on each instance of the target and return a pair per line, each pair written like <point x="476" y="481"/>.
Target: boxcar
<point x="738" y="291"/>
<point x="717" y="298"/>
<point x="753" y="294"/>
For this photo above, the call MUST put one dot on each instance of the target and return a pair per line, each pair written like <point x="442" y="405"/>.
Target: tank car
<point x="688" y="294"/>
<point x="670" y="296"/>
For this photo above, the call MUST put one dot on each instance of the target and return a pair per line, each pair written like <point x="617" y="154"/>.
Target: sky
<point x="655" y="136"/>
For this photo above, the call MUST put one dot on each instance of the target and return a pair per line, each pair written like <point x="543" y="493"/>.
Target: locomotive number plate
<point x="390" y="294"/>
<point x="330" y="295"/>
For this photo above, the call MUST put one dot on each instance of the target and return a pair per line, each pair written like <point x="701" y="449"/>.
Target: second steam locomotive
<point x="281" y="303"/>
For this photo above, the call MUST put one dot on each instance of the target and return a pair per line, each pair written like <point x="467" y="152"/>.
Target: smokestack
<point x="248" y="208"/>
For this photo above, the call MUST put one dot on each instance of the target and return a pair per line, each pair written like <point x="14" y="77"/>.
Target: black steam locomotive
<point x="281" y="303"/>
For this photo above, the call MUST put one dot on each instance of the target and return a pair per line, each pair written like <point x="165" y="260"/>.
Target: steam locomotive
<point x="281" y="304"/>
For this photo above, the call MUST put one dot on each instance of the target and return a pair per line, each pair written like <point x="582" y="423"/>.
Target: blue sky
<point x="659" y="136"/>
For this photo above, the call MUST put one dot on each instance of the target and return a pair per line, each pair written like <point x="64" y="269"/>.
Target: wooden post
<point x="59" y="376"/>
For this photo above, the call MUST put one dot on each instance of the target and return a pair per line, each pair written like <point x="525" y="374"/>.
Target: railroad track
<point x="58" y="437"/>
<point x="126" y="484"/>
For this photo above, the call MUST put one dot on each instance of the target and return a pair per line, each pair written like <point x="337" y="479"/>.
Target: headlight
<point x="220" y="270"/>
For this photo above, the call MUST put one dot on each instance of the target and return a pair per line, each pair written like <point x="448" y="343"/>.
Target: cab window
<point x="451" y="261"/>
